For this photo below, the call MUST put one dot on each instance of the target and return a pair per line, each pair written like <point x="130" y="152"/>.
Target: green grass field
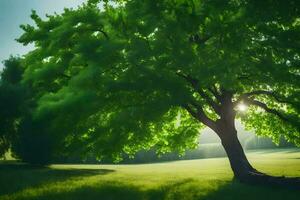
<point x="203" y="179"/>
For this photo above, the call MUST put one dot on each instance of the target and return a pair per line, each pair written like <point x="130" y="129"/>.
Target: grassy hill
<point x="204" y="179"/>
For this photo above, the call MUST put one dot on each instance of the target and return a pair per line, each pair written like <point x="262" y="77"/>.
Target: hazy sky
<point x="16" y="12"/>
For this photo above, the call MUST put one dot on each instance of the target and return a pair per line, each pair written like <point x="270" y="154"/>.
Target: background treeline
<point x="209" y="147"/>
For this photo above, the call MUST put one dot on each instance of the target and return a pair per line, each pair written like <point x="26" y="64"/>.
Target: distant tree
<point x="11" y="95"/>
<point x="19" y="132"/>
<point x="135" y="74"/>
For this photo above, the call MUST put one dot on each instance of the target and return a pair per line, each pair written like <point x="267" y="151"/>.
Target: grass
<point x="205" y="179"/>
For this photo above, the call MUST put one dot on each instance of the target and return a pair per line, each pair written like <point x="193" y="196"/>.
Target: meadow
<point x="203" y="179"/>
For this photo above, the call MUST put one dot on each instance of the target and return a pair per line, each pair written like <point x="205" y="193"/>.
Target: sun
<point x="242" y="107"/>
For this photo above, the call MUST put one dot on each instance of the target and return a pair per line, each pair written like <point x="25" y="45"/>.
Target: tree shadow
<point x="237" y="190"/>
<point x="110" y="191"/>
<point x="34" y="176"/>
<point x="184" y="189"/>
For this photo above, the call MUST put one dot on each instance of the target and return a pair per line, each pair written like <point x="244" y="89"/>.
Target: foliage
<point x="138" y="74"/>
<point x="11" y="97"/>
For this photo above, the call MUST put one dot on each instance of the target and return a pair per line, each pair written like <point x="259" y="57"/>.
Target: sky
<point x="16" y="12"/>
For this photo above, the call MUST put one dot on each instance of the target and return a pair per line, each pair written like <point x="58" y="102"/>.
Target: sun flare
<point x="242" y="107"/>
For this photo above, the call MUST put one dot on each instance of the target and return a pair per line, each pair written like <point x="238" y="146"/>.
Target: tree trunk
<point x="242" y="169"/>
<point x="236" y="155"/>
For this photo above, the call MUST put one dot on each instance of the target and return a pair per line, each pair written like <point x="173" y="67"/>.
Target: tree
<point x="11" y="96"/>
<point x="129" y="75"/>
<point x="19" y="132"/>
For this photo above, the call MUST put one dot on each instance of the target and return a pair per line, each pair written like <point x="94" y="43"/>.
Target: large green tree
<point x="121" y="76"/>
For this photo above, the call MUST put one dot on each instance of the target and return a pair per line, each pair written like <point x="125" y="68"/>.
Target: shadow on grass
<point x="109" y="191"/>
<point x="237" y="190"/>
<point x="187" y="189"/>
<point x="15" y="177"/>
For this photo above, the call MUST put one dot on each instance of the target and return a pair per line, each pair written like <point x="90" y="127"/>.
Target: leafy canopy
<point x="11" y="96"/>
<point x="124" y="76"/>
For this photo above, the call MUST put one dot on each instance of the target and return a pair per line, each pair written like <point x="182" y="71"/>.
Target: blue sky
<point x="16" y="12"/>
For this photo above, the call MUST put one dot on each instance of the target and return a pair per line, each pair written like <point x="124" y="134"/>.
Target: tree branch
<point x="213" y="104"/>
<point x="266" y="108"/>
<point x="204" y="95"/>
<point x="200" y="115"/>
<point x="189" y="79"/>
<point x="105" y="34"/>
<point x="216" y="93"/>
<point x="65" y="75"/>
<point x="262" y="92"/>
<point x="198" y="40"/>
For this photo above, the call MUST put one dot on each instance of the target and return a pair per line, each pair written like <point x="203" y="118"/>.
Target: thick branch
<point x="266" y="108"/>
<point x="200" y="115"/>
<point x="262" y="92"/>
<point x="216" y="93"/>
<point x="213" y="104"/>
<point x="204" y="95"/>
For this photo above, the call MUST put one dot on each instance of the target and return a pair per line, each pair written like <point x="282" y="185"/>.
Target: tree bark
<point x="241" y="167"/>
<point x="236" y="155"/>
